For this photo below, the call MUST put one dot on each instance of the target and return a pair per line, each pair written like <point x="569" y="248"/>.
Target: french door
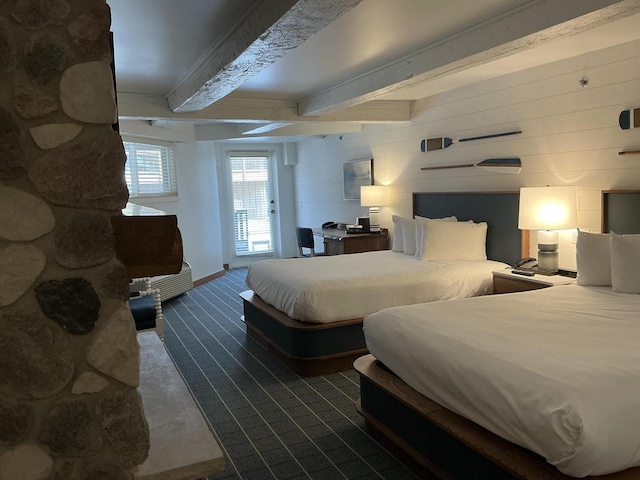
<point x="252" y="203"/>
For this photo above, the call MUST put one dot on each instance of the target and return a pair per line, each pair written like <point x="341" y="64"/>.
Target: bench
<point x="182" y="445"/>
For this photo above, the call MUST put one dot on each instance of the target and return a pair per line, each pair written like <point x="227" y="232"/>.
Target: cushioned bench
<point x="145" y="305"/>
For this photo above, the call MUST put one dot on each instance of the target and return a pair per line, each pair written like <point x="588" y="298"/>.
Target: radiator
<point x="173" y="285"/>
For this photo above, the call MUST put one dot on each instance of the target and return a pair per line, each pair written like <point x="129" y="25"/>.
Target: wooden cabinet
<point x="147" y="241"/>
<point x="338" y="242"/>
<point x="507" y="282"/>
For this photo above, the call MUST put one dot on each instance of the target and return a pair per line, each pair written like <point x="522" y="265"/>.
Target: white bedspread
<point x="326" y="289"/>
<point x="555" y="370"/>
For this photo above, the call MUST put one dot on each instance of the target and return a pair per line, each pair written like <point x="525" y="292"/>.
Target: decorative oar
<point x="629" y="119"/>
<point x="438" y="143"/>
<point x="495" y="165"/>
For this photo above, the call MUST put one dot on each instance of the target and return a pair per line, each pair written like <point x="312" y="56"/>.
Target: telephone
<point x="527" y="262"/>
<point x="329" y="225"/>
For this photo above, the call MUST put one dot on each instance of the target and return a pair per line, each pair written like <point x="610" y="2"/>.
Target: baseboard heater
<point x="173" y="285"/>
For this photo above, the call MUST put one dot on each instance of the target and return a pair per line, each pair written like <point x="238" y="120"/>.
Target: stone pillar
<point x="69" y="357"/>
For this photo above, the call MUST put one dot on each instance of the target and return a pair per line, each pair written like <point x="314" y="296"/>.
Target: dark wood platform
<point x="443" y="443"/>
<point x="306" y="348"/>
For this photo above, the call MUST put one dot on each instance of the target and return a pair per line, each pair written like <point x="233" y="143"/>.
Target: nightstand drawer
<point x="510" y="285"/>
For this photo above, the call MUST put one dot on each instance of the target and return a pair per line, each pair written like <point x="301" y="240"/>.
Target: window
<point x="150" y="169"/>
<point x="252" y="203"/>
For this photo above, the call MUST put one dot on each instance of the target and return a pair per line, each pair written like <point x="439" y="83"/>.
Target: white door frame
<point x="274" y="151"/>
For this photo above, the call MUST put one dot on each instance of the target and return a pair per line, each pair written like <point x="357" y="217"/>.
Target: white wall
<point x="570" y="136"/>
<point x="196" y="207"/>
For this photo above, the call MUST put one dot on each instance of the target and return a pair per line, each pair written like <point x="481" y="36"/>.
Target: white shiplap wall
<point x="570" y="137"/>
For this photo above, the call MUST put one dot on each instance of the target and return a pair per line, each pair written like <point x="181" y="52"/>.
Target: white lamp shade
<point x="373" y="195"/>
<point x="548" y="208"/>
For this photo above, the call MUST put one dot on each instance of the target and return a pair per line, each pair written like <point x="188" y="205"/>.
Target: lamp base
<point x="374" y="219"/>
<point x="547" y="252"/>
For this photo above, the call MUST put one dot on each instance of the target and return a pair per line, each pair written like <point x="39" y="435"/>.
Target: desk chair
<point x="304" y="236"/>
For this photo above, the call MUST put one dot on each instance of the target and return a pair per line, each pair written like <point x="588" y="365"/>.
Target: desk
<point x="337" y="242"/>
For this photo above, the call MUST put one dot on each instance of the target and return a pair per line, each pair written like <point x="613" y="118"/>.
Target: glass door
<point x="253" y="205"/>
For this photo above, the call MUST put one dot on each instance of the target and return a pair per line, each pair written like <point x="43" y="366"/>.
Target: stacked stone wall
<point x="69" y="358"/>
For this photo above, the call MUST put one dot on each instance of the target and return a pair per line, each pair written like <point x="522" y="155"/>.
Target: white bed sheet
<point x="325" y="289"/>
<point x="556" y="370"/>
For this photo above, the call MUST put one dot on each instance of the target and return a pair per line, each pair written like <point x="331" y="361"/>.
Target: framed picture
<point x="354" y="175"/>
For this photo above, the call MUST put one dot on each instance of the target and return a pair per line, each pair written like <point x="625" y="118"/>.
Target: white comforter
<point x="327" y="289"/>
<point x="556" y="370"/>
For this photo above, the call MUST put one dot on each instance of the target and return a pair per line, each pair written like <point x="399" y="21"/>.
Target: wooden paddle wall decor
<point x="629" y="119"/>
<point x="495" y="165"/>
<point x="439" y="143"/>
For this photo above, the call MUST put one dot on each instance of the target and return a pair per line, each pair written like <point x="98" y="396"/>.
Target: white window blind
<point x="150" y="169"/>
<point x="251" y="203"/>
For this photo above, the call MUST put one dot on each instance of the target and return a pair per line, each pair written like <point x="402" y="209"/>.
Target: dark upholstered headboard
<point x="621" y="211"/>
<point x="498" y="209"/>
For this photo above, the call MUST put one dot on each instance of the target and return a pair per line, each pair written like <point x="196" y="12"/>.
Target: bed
<point x="339" y="287"/>
<point x="508" y="386"/>
<point x="326" y="336"/>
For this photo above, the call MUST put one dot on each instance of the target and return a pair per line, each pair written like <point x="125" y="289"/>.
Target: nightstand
<point x="506" y="282"/>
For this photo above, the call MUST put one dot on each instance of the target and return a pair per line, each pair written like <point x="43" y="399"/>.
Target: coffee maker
<point x="365" y="222"/>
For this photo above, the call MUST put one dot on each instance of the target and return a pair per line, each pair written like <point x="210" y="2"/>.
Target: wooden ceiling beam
<point x="308" y="128"/>
<point x="523" y="28"/>
<point x="265" y="128"/>
<point x="182" y="132"/>
<point x="272" y="29"/>
<point x="241" y="110"/>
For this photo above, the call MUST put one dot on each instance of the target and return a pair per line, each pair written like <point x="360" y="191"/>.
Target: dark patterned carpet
<point x="269" y="422"/>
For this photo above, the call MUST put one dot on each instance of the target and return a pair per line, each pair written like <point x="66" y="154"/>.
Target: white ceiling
<point x="158" y="41"/>
<point x="378" y="50"/>
<point x="370" y="36"/>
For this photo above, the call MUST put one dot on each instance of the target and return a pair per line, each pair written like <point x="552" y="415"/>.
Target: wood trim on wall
<point x="526" y="246"/>
<point x="208" y="278"/>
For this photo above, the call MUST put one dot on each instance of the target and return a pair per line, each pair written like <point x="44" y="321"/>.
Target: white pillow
<point x="421" y="223"/>
<point x="625" y="262"/>
<point x="454" y="241"/>
<point x="408" y="236"/>
<point x="593" y="258"/>
<point x="398" y="242"/>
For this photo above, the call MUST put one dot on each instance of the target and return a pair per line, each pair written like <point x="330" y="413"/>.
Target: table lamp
<point x="373" y="196"/>
<point x="547" y="210"/>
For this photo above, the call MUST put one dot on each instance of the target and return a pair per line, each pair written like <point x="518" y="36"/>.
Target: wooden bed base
<point x="443" y="443"/>
<point x="308" y="349"/>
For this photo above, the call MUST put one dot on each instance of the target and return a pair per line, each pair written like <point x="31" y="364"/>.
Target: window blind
<point x="150" y="169"/>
